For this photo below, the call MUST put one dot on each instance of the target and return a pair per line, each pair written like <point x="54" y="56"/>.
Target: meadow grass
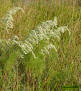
<point x="48" y="72"/>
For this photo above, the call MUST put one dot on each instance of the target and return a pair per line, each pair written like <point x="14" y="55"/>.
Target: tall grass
<point x="42" y="68"/>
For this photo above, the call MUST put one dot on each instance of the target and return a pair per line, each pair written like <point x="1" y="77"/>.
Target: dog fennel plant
<point x="45" y="31"/>
<point x="37" y="43"/>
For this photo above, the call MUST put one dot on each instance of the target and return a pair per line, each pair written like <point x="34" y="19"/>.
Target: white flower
<point x="7" y="20"/>
<point x="44" y="31"/>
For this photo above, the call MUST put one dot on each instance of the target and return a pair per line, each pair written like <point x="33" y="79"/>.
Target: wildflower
<point x="44" y="31"/>
<point x="7" y="20"/>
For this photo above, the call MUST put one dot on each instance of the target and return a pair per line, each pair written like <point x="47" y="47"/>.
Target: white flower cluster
<point x="7" y="20"/>
<point x="44" y="31"/>
<point x="45" y="50"/>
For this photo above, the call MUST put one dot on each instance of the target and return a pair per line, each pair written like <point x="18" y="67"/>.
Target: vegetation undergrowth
<point x="40" y="46"/>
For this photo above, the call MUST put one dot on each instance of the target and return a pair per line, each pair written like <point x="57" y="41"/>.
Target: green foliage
<point x="48" y="72"/>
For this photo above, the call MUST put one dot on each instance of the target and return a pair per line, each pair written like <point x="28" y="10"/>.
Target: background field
<point x="49" y="72"/>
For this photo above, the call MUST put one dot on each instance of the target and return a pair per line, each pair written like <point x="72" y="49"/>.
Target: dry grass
<point x="61" y="69"/>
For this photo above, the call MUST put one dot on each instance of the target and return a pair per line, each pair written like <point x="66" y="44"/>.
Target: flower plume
<point x="44" y="31"/>
<point x="7" y="20"/>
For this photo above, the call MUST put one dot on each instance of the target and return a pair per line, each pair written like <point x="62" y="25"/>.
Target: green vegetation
<point x="40" y="45"/>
